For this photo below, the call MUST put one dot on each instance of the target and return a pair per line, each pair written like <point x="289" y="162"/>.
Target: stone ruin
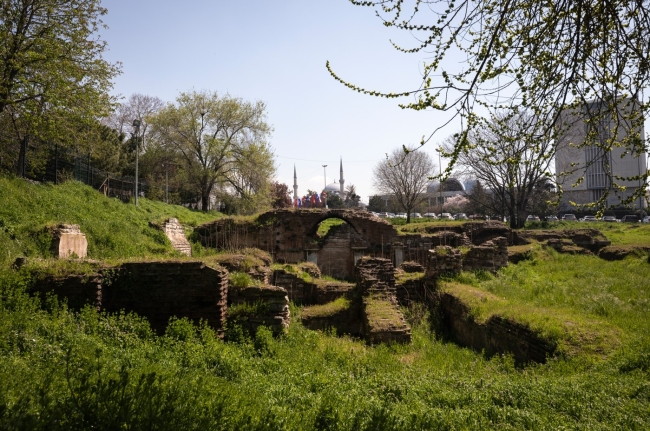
<point x="381" y="318"/>
<point x="68" y="241"/>
<point x="176" y="235"/>
<point x="366" y="248"/>
<point x="291" y="236"/>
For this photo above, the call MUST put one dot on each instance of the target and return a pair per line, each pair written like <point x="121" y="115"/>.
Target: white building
<point x="596" y="167"/>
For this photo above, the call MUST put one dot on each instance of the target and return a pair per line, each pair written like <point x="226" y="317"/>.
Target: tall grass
<point x="64" y="370"/>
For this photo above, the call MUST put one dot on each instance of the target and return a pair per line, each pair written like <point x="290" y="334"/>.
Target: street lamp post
<point x="440" y="180"/>
<point x="136" y="127"/>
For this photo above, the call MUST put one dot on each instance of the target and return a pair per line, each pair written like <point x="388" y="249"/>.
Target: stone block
<point x="176" y="235"/>
<point x="68" y="241"/>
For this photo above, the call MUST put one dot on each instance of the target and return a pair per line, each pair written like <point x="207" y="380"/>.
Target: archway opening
<point x="335" y="238"/>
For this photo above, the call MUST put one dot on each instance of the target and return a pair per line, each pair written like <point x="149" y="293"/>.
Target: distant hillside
<point x="113" y="229"/>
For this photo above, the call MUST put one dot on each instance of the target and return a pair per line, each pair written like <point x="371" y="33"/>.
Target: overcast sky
<point x="276" y="52"/>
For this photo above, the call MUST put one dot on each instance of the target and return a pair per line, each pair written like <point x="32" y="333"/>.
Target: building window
<point x="598" y="163"/>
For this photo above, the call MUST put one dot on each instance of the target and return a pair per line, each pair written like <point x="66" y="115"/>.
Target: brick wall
<point x="495" y="336"/>
<point x="159" y="290"/>
<point x="155" y="290"/>
<point x="288" y="234"/>
<point x="271" y="305"/>
<point x="303" y="292"/>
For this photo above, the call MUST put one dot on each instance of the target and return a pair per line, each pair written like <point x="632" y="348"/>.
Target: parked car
<point x="569" y="217"/>
<point x="646" y="219"/>
<point x="589" y="218"/>
<point x="551" y="218"/>
<point x="430" y="215"/>
<point x="630" y="218"/>
<point x="461" y="216"/>
<point x="446" y="216"/>
<point x="610" y="219"/>
<point x="532" y="218"/>
<point x="400" y="215"/>
<point x="416" y="215"/>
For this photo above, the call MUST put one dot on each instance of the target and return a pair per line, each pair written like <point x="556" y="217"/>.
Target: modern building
<point x="592" y="168"/>
<point x="450" y="187"/>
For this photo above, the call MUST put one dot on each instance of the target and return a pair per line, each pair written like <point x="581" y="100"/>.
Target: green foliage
<point x="223" y="140"/>
<point x="61" y="369"/>
<point x="54" y="83"/>
<point x="240" y="280"/>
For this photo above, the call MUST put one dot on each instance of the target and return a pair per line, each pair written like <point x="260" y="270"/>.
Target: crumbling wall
<point x="489" y="256"/>
<point x="443" y="260"/>
<point x="496" y="336"/>
<point x="382" y="320"/>
<point x="159" y="290"/>
<point x="590" y="239"/>
<point x="303" y="292"/>
<point x="155" y="290"/>
<point x="290" y="235"/>
<point x="255" y="306"/>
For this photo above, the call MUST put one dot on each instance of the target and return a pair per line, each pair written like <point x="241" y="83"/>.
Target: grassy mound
<point x="113" y="229"/>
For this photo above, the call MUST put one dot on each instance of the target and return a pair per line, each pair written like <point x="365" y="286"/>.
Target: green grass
<point x="113" y="229"/>
<point x="325" y="226"/>
<point x="381" y="313"/>
<point x="65" y="370"/>
<point x="617" y="233"/>
<point x="329" y="309"/>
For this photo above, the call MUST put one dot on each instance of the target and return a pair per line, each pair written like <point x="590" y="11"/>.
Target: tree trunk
<point x="205" y="201"/>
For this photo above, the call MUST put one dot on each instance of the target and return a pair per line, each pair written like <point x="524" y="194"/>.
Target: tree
<point x="376" y="204"/>
<point x="479" y="200"/>
<point x="351" y="198"/>
<point x="217" y="139"/>
<point x="510" y="155"/>
<point x="53" y="79"/>
<point x="406" y="176"/>
<point x="281" y="195"/>
<point x="547" y="57"/>
<point x="137" y="107"/>
<point x="456" y="204"/>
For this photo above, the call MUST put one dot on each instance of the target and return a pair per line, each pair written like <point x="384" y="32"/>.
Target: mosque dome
<point x="333" y="188"/>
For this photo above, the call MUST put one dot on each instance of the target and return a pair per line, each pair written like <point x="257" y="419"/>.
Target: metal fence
<point x="64" y="164"/>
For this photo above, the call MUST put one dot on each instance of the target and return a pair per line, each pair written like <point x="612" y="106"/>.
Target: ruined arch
<point x="290" y="234"/>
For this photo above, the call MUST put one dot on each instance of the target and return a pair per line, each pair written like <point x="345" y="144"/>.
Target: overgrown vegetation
<point x="61" y="369"/>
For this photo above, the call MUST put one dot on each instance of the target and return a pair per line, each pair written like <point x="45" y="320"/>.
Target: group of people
<point x="311" y="201"/>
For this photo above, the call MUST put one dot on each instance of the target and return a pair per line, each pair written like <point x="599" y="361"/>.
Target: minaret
<point x="341" y="180"/>
<point x="295" y="184"/>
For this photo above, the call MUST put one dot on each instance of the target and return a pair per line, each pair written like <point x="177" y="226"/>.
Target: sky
<point x="276" y="52"/>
